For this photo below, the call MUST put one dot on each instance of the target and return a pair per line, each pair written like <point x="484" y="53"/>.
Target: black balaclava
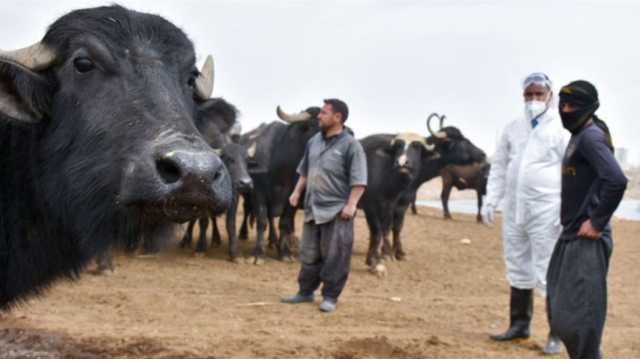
<point x="582" y="95"/>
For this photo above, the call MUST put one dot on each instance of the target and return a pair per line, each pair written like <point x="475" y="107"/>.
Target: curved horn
<point x="35" y="57"/>
<point x="441" y="133"/>
<point x="302" y="116"/>
<point x="204" y="82"/>
<point x="431" y="116"/>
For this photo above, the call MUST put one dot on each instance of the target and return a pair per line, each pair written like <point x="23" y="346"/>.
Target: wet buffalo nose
<point x="189" y="168"/>
<point x="245" y="184"/>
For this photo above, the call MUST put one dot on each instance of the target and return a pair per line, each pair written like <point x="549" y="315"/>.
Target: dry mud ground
<point x="448" y="297"/>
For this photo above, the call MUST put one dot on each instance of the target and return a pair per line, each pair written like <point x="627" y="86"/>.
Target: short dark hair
<point x="338" y="106"/>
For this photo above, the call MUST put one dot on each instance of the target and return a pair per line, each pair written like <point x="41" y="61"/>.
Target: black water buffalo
<point x="393" y="164"/>
<point x="98" y="144"/>
<point x="277" y="150"/>
<point x="451" y="148"/>
<point x="473" y="176"/>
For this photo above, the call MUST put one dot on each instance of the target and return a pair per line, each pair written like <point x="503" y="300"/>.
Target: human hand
<point x="294" y="199"/>
<point x="488" y="215"/>
<point x="588" y="231"/>
<point x="348" y="212"/>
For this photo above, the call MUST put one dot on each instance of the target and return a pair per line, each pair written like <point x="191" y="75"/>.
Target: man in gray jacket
<point x="333" y="175"/>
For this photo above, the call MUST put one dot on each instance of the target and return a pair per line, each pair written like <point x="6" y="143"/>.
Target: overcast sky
<point x="394" y="62"/>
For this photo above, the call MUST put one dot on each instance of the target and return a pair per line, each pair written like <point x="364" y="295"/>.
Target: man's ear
<point x="221" y="112"/>
<point x="25" y="92"/>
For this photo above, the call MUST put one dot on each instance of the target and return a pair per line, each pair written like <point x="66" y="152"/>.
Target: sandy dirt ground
<point x="442" y="302"/>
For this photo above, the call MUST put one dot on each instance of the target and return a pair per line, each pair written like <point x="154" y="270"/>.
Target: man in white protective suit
<point x="526" y="174"/>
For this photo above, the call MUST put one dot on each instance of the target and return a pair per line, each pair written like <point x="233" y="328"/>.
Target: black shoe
<point x="298" y="298"/>
<point x="328" y="305"/>
<point x="521" y="311"/>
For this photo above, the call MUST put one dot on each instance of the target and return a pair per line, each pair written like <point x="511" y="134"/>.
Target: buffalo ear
<point x="222" y="113"/>
<point x="25" y="96"/>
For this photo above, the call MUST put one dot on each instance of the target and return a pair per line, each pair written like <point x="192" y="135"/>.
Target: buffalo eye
<point x="83" y="64"/>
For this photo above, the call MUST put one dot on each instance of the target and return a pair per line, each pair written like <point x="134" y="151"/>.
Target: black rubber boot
<point x="521" y="311"/>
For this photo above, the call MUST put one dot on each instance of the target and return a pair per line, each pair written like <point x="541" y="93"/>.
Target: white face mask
<point x="533" y="109"/>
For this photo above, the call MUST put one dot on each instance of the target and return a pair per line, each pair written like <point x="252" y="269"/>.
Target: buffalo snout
<point x="189" y="171"/>
<point x="181" y="180"/>
<point x="244" y="185"/>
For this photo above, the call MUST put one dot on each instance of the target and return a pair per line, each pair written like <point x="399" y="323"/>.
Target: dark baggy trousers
<point x="577" y="290"/>
<point x="325" y="254"/>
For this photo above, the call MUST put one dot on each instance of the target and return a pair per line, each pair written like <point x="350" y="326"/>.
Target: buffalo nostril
<point x="168" y="170"/>
<point x="217" y="175"/>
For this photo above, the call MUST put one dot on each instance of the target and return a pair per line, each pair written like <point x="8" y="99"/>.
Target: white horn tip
<point x="205" y="81"/>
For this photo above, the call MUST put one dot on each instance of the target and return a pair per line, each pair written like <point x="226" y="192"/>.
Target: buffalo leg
<point x="479" y="215"/>
<point x="188" y="235"/>
<point x="444" y="196"/>
<point x="216" y="239"/>
<point x="273" y="237"/>
<point x="414" y="210"/>
<point x="261" y="214"/>
<point x="201" y="246"/>
<point x="386" y="230"/>
<point x="149" y="245"/>
<point x="244" y="228"/>
<point x="398" y="222"/>
<point x="231" y="229"/>
<point x="104" y="261"/>
<point x="375" y="237"/>
<point x="286" y="233"/>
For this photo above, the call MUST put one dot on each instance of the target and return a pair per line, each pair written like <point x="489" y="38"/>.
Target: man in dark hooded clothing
<point x="592" y="187"/>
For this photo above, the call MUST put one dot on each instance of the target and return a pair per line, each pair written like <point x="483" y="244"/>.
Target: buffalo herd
<point x="110" y="136"/>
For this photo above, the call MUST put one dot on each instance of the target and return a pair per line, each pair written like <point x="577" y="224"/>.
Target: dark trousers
<point x="325" y="254"/>
<point x="577" y="292"/>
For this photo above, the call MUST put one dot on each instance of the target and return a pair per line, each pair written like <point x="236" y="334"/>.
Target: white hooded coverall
<point x="526" y="173"/>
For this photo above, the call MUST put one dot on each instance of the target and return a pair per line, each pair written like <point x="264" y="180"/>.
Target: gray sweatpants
<point x="325" y="254"/>
<point x="577" y="289"/>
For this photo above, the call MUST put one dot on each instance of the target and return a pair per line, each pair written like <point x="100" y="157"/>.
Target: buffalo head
<point x="452" y="146"/>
